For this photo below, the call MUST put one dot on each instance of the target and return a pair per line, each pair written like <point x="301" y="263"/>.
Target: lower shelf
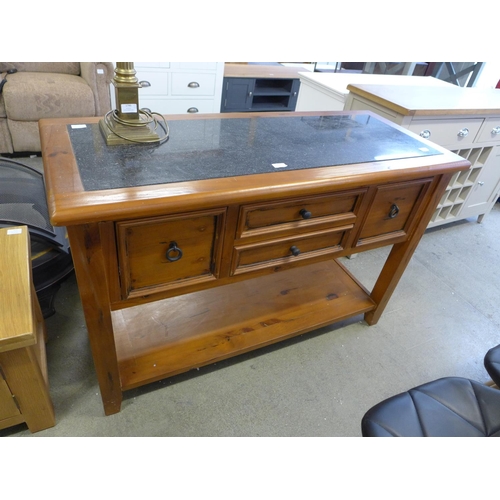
<point x="168" y="337"/>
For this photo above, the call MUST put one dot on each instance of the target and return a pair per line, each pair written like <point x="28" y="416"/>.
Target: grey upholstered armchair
<point x="48" y="90"/>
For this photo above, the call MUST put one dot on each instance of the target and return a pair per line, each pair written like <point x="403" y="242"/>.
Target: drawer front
<point x="289" y="250"/>
<point x="392" y="212"/>
<point x="452" y="132"/>
<point x="178" y="106"/>
<point x="301" y="213"/>
<point x="193" y="84"/>
<point x="490" y="130"/>
<point x="158" y="81"/>
<point x="168" y="252"/>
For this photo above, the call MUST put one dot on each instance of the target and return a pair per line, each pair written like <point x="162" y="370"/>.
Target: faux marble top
<point x="215" y="148"/>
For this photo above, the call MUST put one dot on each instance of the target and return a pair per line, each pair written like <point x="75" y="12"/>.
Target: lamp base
<point x="123" y="134"/>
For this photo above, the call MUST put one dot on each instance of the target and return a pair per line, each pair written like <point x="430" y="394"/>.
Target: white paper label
<point x="279" y="165"/>
<point x="100" y="71"/>
<point x="14" y="231"/>
<point x="79" y="126"/>
<point x="129" y="108"/>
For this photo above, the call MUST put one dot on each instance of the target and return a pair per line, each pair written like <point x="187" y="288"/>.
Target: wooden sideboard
<point x="463" y="120"/>
<point x="227" y="237"/>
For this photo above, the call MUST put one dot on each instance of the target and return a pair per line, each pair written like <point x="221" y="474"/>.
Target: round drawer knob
<point x="425" y="133"/>
<point x="174" y="253"/>
<point x="295" y="251"/>
<point x="305" y="214"/>
<point x="192" y="110"/>
<point x="496" y="131"/>
<point x="193" y="85"/>
<point x="463" y="133"/>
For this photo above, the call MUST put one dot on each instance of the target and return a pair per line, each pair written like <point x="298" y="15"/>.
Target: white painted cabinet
<point x="328" y="91"/>
<point x="463" y="120"/>
<point x="181" y="87"/>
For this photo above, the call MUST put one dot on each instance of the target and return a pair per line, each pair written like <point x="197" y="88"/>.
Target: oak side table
<point x="24" y="390"/>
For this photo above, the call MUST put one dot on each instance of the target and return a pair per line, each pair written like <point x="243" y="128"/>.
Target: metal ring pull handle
<point x="496" y="130"/>
<point x="193" y="85"/>
<point x="425" y="133"/>
<point x="463" y="133"/>
<point x="295" y="251"/>
<point x="174" y="252"/>
<point x="394" y="211"/>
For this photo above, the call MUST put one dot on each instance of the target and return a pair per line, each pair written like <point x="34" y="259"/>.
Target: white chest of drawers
<point x="181" y="87"/>
<point x="463" y="120"/>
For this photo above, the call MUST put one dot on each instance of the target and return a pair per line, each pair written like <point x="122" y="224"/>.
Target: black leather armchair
<point x="447" y="407"/>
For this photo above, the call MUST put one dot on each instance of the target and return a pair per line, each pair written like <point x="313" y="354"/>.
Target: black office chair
<point x="447" y="407"/>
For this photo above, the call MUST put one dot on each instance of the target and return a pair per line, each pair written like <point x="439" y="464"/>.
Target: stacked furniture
<point x="463" y="120"/>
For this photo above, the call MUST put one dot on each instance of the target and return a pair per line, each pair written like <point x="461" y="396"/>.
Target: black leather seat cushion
<point x="450" y="406"/>
<point x="492" y="364"/>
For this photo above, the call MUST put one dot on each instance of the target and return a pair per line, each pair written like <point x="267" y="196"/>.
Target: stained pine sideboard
<point x="227" y="237"/>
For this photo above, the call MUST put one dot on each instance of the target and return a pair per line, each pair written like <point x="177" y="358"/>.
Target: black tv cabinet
<point x="259" y="88"/>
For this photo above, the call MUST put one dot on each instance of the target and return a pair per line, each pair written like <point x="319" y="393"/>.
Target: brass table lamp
<point x="128" y="123"/>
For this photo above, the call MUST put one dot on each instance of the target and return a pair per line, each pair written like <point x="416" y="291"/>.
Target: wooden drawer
<point x="169" y="252"/>
<point x="306" y="213"/>
<point x="193" y="84"/>
<point x="392" y="212"/>
<point x="448" y="132"/>
<point x="289" y="250"/>
<point x="490" y="131"/>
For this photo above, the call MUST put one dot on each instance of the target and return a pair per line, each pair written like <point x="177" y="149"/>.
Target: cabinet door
<point x="485" y="190"/>
<point x="294" y="94"/>
<point x="237" y="94"/>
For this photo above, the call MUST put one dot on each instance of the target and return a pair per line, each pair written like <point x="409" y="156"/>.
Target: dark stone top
<point x="214" y="148"/>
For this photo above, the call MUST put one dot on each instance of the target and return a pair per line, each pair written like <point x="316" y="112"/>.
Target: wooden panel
<point x="188" y="331"/>
<point x="169" y="250"/>
<point x="8" y="407"/>
<point x="17" y="328"/>
<point x="392" y="211"/>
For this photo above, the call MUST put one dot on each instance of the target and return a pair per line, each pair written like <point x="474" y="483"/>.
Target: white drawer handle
<point x="192" y="110"/>
<point x="425" y="133"/>
<point x="463" y="133"/>
<point x="193" y="85"/>
<point x="496" y="130"/>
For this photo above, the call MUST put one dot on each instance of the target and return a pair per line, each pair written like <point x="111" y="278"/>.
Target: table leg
<point x="90" y="269"/>
<point x="401" y="254"/>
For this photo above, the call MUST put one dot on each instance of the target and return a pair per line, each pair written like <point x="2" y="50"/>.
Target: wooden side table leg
<point x="90" y="269"/>
<point x="401" y="254"/>
<point x="27" y="384"/>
